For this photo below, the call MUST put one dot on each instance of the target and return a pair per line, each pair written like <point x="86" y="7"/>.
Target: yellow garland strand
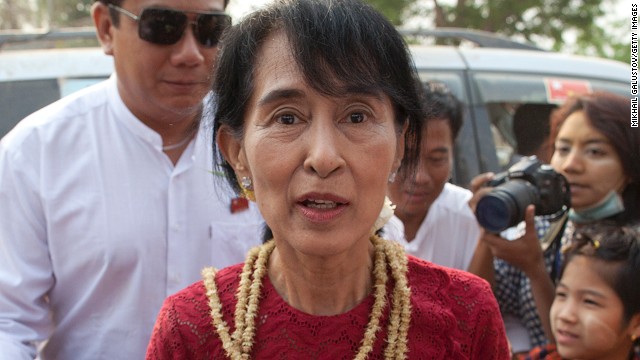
<point x="239" y="345"/>
<point x="380" y="289"/>
<point x="254" y="298"/>
<point x="216" y="314"/>
<point x="401" y="307"/>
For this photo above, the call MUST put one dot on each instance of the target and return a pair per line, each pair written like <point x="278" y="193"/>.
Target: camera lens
<point x="505" y="205"/>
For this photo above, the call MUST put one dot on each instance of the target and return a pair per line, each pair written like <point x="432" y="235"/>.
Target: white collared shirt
<point x="448" y="234"/>
<point x="97" y="227"/>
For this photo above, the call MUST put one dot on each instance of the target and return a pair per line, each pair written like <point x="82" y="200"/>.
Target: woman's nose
<point x="573" y="162"/>
<point x="324" y="155"/>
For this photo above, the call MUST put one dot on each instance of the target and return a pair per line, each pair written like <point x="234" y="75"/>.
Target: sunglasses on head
<point x="166" y="26"/>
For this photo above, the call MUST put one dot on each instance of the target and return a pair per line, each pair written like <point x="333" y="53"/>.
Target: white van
<point x="492" y="79"/>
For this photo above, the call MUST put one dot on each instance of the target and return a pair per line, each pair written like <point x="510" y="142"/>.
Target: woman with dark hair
<point x="319" y="101"/>
<point x="608" y="114"/>
<point x="597" y="152"/>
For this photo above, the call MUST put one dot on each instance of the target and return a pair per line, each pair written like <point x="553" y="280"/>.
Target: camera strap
<point x="554" y="234"/>
<point x="552" y="242"/>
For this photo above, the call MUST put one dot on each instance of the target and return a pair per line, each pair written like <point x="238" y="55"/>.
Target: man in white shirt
<point x="108" y="201"/>
<point x="432" y="218"/>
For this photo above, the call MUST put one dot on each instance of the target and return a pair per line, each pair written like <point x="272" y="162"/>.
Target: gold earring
<point x="246" y="184"/>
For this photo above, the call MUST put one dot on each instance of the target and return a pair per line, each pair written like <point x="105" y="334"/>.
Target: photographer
<point x="595" y="151"/>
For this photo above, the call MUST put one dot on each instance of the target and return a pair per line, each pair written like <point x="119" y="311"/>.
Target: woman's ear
<point x="231" y="148"/>
<point x="634" y="327"/>
<point x="400" y="146"/>
<point x="104" y="26"/>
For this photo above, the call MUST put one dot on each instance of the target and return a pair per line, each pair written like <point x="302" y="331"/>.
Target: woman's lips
<point x="577" y="188"/>
<point x="321" y="208"/>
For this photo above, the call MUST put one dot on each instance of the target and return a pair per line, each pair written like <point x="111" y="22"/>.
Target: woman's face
<point x="588" y="161"/>
<point x="319" y="164"/>
<point x="587" y="315"/>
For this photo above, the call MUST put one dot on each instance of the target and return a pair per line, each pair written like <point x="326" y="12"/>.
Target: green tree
<point x="552" y="24"/>
<point x="65" y="13"/>
<point x="13" y="13"/>
<point x="394" y="10"/>
<point x="524" y="18"/>
<point x="18" y="14"/>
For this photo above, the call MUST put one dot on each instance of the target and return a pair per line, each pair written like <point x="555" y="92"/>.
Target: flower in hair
<point x="385" y="214"/>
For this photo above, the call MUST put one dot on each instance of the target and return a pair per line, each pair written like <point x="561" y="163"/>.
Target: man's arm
<point x="25" y="266"/>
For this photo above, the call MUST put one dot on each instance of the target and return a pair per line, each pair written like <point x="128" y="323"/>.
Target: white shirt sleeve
<point x="24" y="279"/>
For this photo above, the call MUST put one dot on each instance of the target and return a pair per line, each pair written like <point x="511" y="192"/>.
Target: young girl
<point x="596" y="310"/>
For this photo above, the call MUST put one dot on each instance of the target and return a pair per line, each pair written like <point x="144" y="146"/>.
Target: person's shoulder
<point x="229" y="275"/>
<point x="226" y="282"/>
<point x="454" y="200"/>
<point x="452" y="303"/>
<point x="454" y="196"/>
<point x="76" y="104"/>
<point x="394" y="230"/>
<point x="425" y="276"/>
<point x="59" y="115"/>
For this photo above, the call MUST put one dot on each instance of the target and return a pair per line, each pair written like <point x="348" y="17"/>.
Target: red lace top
<point x="454" y="316"/>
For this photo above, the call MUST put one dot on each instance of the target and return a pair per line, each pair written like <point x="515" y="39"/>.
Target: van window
<point x="21" y="98"/>
<point x="68" y="86"/>
<point x="453" y="80"/>
<point x="503" y="93"/>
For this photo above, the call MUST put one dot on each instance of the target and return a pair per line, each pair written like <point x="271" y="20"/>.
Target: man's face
<point x="161" y="84"/>
<point x="414" y="195"/>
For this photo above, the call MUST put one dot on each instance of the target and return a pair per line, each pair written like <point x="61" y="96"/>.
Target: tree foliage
<point x="20" y="14"/>
<point x="551" y="24"/>
<point x="70" y="12"/>
<point x="524" y="18"/>
<point x="394" y="10"/>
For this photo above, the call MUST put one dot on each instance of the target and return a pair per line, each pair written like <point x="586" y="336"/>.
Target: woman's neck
<point x="326" y="286"/>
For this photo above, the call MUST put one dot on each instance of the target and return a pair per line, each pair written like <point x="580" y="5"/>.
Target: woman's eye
<point x="595" y="152"/>
<point x="562" y="149"/>
<point x="356" y="118"/>
<point x="286" y="119"/>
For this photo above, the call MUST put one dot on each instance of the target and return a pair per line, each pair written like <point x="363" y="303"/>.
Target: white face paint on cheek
<point x="598" y="334"/>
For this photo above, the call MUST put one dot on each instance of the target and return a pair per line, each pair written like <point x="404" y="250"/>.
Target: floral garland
<point x="387" y="254"/>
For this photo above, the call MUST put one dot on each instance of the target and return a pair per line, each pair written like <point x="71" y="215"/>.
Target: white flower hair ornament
<point x="385" y="214"/>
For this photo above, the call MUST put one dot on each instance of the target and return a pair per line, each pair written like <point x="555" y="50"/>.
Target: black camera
<point x="527" y="182"/>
